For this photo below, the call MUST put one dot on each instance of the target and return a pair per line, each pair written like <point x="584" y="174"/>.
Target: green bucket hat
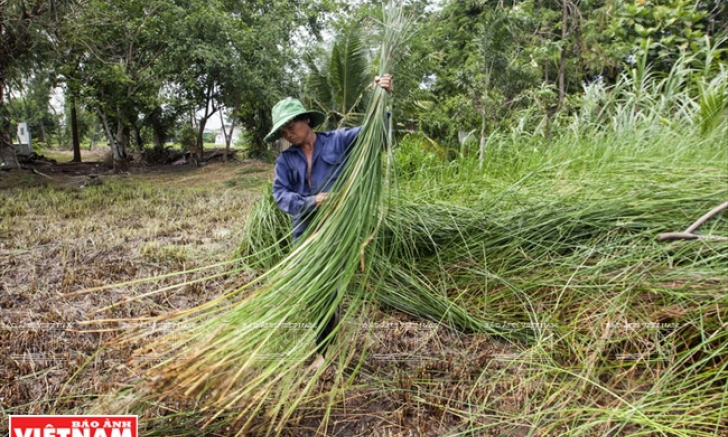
<point x="288" y="109"/>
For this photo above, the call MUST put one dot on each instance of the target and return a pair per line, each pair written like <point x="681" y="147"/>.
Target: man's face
<point x="296" y="131"/>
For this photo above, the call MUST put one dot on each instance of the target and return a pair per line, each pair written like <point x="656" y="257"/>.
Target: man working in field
<point x="305" y="172"/>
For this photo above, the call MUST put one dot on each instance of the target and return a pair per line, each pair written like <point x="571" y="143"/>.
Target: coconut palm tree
<point x="337" y="85"/>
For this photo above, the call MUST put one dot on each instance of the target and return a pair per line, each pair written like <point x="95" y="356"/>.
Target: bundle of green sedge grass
<point x="247" y="351"/>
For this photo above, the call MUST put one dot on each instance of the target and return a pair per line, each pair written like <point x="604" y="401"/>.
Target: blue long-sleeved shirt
<point x="292" y="192"/>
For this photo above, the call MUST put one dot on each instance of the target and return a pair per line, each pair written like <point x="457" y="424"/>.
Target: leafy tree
<point x="479" y="67"/>
<point x="664" y="27"/>
<point x="269" y="66"/>
<point x="24" y="44"/>
<point x="201" y="59"/>
<point x="124" y="46"/>
<point x="33" y="107"/>
<point x="238" y="55"/>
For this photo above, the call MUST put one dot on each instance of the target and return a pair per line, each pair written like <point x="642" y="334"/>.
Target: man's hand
<point x="320" y="197"/>
<point x="385" y="82"/>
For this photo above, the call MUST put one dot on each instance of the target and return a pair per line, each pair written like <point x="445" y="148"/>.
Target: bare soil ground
<point x="153" y="221"/>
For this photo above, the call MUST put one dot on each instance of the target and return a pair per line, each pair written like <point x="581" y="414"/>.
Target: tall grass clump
<point x="621" y="332"/>
<point x="266" y="233"/>
<point x="677" y="119"/>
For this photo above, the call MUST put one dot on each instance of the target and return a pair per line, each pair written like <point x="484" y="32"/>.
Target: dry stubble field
<point x="66" y="229"/>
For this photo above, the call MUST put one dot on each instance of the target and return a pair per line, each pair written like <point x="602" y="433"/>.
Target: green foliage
<point x="713" y="98"/>
<point x="486" y="62"/>
<point x="446" y="117"/>
<point x="116" y="66"/>
<point x="488" y="66"/>
<point x="187" y="137"/>
<point x="416" y="153"/>
<point x="141" y="65"/>
<point x="34" y="108"/>
<point x="339" y="79"/>
<point x="26" y="48"/>
<point x="474" y="66"/>
<point x="666" y="28"/>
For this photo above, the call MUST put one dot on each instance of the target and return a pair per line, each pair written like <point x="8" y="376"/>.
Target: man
<point x="305" y="172"/>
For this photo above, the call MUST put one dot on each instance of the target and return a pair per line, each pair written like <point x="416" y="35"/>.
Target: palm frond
<point x="349" y="73"/>
<point x="713" y="102"/>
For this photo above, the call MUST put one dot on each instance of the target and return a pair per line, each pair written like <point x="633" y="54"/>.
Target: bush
<point x="187" y="137"/>
<point x="415" y="153"/>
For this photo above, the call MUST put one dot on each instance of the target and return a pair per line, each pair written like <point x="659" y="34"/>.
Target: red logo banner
<point x="73" y="426"/>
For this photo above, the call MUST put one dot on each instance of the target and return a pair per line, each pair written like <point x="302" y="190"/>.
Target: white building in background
<point x="237" y="135"/>
<point x="25" y="147"/>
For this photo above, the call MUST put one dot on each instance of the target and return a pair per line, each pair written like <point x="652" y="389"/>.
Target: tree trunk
<point x="228" y="140"/>
<point x="74" y="129"/>
<point x="228" y="136"/>
<point x="201" y="133"/>
<point x="118" y="162"/>
<point x="43" y="135"/>
<point x="562" y="59"/>
<point x="138" y="141"/>
<point x="122" y="143"/>
<point x="481" y="148"/>
<point x="7" y="151"/>
<point x="197" y="152"/>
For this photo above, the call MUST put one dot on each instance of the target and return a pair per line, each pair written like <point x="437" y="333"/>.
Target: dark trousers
<point x="327" y="323"/>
